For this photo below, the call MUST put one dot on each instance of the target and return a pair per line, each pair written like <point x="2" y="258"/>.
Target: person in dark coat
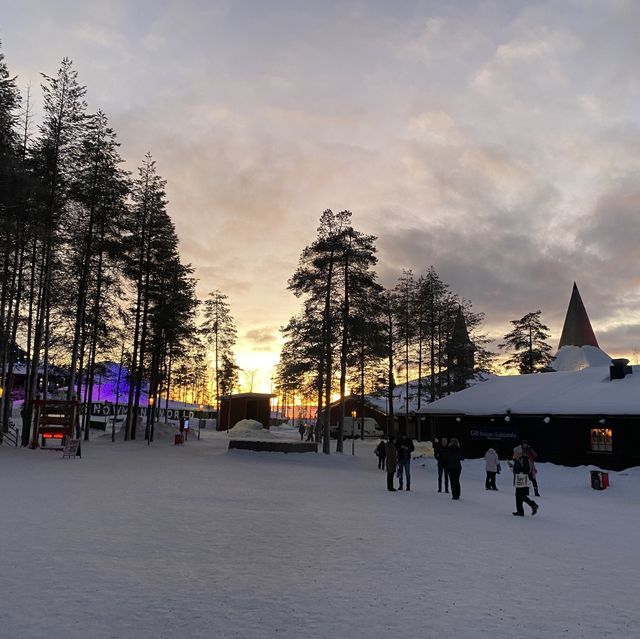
<point x="391" y="460"/>
<point x="301" y="431"/>
<point x="521" y="482"/>
<point x="405" y="447"/>
<point x="533" y="471"/>
<point x="439" y="449"/>
<point x="453" y="466"/>
<point x="381" y="453"/>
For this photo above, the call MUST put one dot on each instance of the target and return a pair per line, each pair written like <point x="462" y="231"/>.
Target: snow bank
<point x="156" y="542"/>
<point x="249" y="428"/>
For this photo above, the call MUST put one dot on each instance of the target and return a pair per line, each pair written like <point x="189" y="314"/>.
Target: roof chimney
<point x="619" y="368"/>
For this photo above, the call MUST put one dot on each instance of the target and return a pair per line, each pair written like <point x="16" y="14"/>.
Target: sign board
<point x="494" y="434"/>
<point x="108" y="409"/>
<point x="71" y="449"/>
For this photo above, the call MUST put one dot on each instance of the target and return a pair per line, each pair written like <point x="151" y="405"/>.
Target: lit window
<point x="601" y="440"/>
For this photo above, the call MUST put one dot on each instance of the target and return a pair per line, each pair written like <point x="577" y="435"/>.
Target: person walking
<point x="404" y="447"/>
<point x="453" y="466"/>
<point x="521" y="483"/>
<point x="381" y="453"/>
<point x="391" y="461"/>
<point x="439" y="450"/>
<point x="533" y="471"/>
<point x="492" y="468"/>
<point x="528" y="455"/>
<point x="301" y="431"/>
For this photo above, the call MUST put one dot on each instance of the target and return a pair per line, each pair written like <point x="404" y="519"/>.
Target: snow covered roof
<point x="585" y="392"/>
<point x="575" y="358"/>
<point x="400" y="395"/>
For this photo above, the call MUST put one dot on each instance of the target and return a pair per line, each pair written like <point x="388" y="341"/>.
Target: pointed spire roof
<point x="577" y="329"/>
<point x="460" y="335"/>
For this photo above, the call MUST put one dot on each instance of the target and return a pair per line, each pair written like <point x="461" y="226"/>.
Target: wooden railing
<point x="11" y="437"/>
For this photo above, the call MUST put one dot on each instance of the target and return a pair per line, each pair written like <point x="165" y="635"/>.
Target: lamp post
<point x="353" y="432"/>
<point x="150" y="409"/>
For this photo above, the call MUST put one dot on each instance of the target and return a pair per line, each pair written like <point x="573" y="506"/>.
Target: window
<point x="601" y="440"/>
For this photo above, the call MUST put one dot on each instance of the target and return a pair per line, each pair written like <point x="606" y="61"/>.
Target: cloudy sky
<point x="498" y="141"/>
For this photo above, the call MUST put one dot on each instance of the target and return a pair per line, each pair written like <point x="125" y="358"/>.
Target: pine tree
<point x="404" y="305"/>
<point x="147" y="222"/>
<point x="220" y="333"/>
<point x="337" y="266"/>
<point x="54" y="159"/>
<point x="356" y="264"/>
<point x="532" y="353"/>
<point x="367" y="342"/>
<point x="98" y="188"/>
<point x="12" y="233"/>
<point x="317" y="278"/>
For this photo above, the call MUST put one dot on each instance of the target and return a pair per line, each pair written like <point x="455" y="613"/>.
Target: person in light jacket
<point x="392" y="460"/>
<point x="492" y="464"/>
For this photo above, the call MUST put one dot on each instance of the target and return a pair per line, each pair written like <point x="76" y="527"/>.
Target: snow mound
<point x="575" y="358"/>
<point x="286" y="427"/>
<point x="422" y="449"/>
<point x="249" y="428"/>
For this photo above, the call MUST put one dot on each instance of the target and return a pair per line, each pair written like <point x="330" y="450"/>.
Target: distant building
<point x="353" y="404"/>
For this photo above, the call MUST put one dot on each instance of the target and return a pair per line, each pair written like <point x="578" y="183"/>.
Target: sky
<point x="498" y="141"/>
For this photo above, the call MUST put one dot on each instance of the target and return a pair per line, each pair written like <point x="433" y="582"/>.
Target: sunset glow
<point x="485" y="142"/>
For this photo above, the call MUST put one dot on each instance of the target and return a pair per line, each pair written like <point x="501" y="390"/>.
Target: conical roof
<point x="460" y="335"/>
<point x="577" y="329"/>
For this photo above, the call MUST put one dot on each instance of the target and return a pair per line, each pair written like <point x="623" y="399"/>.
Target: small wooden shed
<point x="234" y="408"/>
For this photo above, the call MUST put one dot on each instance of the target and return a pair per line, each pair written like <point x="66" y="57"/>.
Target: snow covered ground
<point x="193" y="541"/>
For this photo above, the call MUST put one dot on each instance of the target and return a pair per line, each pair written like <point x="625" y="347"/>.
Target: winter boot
<point x="534" y="509"/>
<point x="518" y="514"/>
<point x="536" y="493"/>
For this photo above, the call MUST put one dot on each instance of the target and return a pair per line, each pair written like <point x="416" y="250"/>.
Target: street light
<point x="353" y="432"/>
<point x="150" y="410"/>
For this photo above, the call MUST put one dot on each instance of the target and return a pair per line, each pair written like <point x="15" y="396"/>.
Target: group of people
<point x="394" y="455"/>
<point x="449" y="457"/>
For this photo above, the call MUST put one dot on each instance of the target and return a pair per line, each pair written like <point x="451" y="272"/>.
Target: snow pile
<point x="164" y="432"/>
<point x="422" y="449"/>
<point x="575" y="358"/>
<point x="249" y="428"/>
<point x="286" y="427"/>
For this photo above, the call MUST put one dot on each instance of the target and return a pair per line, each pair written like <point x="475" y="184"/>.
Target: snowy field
<point x="187" y="542"/>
